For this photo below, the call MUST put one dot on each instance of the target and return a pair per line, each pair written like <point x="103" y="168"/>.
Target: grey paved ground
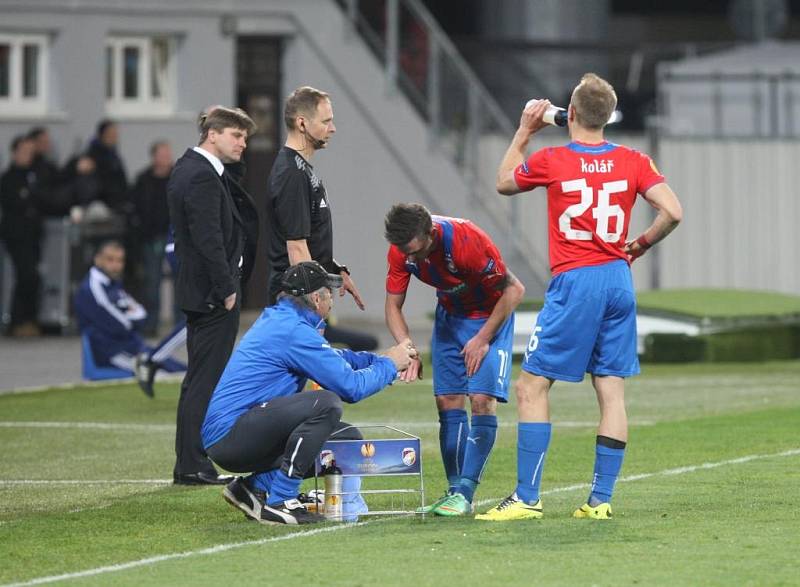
<point x="56" y="360"/>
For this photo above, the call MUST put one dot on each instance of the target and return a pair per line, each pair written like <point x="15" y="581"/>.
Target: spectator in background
<point x="79" y="184"/>
<point x="151" y="223"/>
<point x="147" y="364"/>
<point x="112" y="191"/>
<point x="56" y="201"/>
<point x="47" y="173"/>
<point x="21" y="233"/>
<point x="112" y="319"/>
<point x="113" y="182"/>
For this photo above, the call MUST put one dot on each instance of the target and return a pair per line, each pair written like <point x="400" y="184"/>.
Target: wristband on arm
<point x="340" y="268"/>
<point x="642" y="242"/>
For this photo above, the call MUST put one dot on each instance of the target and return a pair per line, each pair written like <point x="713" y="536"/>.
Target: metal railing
<point x="421" y="61"/>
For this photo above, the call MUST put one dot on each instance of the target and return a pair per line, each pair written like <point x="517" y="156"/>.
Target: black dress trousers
<point x="209" y="342"/>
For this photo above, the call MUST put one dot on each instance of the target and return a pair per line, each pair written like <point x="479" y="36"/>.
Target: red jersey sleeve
<point x="533" y="172"/>
<point x="481" y="257"/>
<point x="397" y="277"/>
<point x="649" y="175"/>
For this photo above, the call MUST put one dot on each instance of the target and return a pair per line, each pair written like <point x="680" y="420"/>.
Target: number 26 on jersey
<point x="603" y="212"/>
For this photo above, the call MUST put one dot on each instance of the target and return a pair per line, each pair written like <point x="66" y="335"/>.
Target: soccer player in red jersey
<point x="472" y="336"/>
<point x="588" y="322"/>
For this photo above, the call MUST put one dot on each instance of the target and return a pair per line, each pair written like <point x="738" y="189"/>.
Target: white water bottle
<point x="553" y="115"/>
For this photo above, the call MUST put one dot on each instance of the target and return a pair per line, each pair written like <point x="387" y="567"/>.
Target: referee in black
<point x="216" y="232"/>
<point x="298" y="207"/>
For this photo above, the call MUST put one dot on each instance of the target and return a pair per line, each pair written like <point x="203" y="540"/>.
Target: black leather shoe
<point x="201" y="478"/>
<point x="146" y="374"/>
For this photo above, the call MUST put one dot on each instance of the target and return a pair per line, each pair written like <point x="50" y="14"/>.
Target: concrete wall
<point x="77" y="68"/>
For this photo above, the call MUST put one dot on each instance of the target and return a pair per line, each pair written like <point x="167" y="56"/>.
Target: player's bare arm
<point x="298" y="251"/>
<point x="477" y="347"/>
<point x="397" y="325"/>
<point x="530" y="122"/>
<point x="668" y="216"/>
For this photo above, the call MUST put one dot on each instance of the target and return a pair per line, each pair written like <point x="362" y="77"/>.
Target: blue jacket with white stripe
<point x="275" y="358"/>
<point x="109" y="316"/>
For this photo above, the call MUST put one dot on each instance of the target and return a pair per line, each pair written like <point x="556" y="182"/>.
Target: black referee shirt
<point x="297" y="208"/>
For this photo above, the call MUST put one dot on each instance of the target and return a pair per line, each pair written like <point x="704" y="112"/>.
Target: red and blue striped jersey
<point x="465" y="267"/>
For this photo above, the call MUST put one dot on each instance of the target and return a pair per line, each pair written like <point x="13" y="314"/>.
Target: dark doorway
<point x="258" y="91"/>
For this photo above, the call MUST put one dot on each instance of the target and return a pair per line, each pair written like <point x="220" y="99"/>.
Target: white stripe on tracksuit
<point x="169" y="346"/>
<point x="294" y="454"/>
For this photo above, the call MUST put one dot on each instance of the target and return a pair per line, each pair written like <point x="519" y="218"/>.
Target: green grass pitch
<point x="709" y="495"/>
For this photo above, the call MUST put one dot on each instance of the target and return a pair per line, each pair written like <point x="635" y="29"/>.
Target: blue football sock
<point x="533" y="438"/>
<point x="479" y="446"/>
<point x="284" y="488"/>
<point x="453" y="432"/>
<point x="262" y="481"/>
<point x="609" y="454"/>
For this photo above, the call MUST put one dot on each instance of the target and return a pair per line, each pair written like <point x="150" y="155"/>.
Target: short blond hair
<point x="219" y="118"/>
<point x="303" y="101"/>
<point x="594" y="100"/>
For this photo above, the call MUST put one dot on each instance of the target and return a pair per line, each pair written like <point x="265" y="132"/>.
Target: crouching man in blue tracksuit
<point x="259" y="422"/>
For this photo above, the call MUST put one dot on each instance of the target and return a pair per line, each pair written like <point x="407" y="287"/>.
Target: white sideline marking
<point x="85" y="482"/>
<point x="677" y="471"/>
<point x="122" y="426"/>
<point x="652" y="381"/>
<point x="166" y="377"/>
<point x="165" y="557"/>
<point x="233" y="545"/>
<point x="91" y="426"/>
<point x="508" y="423"/>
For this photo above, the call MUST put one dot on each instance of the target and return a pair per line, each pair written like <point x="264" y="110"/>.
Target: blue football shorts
<point x="587" y="325"/>
<point x="450" y="335"/>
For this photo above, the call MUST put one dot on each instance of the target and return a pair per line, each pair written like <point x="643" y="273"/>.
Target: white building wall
<point x="740" y="215"/>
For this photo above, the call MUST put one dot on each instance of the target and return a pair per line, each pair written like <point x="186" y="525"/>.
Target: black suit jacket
<point x="212" y="217"/>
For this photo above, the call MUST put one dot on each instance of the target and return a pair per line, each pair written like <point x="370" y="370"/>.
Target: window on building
<point x="140" y="76"/>
<point x="23" y="62"/>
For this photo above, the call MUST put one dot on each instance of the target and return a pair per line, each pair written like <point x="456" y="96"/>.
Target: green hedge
<point x="762" y="343"/>
<point x="673" y="348"/>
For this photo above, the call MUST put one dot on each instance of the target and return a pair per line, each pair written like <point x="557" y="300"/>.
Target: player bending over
<point x="472" y="335"/>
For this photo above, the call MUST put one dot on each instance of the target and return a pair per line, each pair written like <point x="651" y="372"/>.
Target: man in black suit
<point x="216" y="232"/>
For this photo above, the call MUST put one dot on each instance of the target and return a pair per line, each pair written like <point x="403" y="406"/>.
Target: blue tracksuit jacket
<point x="109" y="316"/>
<point x="275" y="358"/>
